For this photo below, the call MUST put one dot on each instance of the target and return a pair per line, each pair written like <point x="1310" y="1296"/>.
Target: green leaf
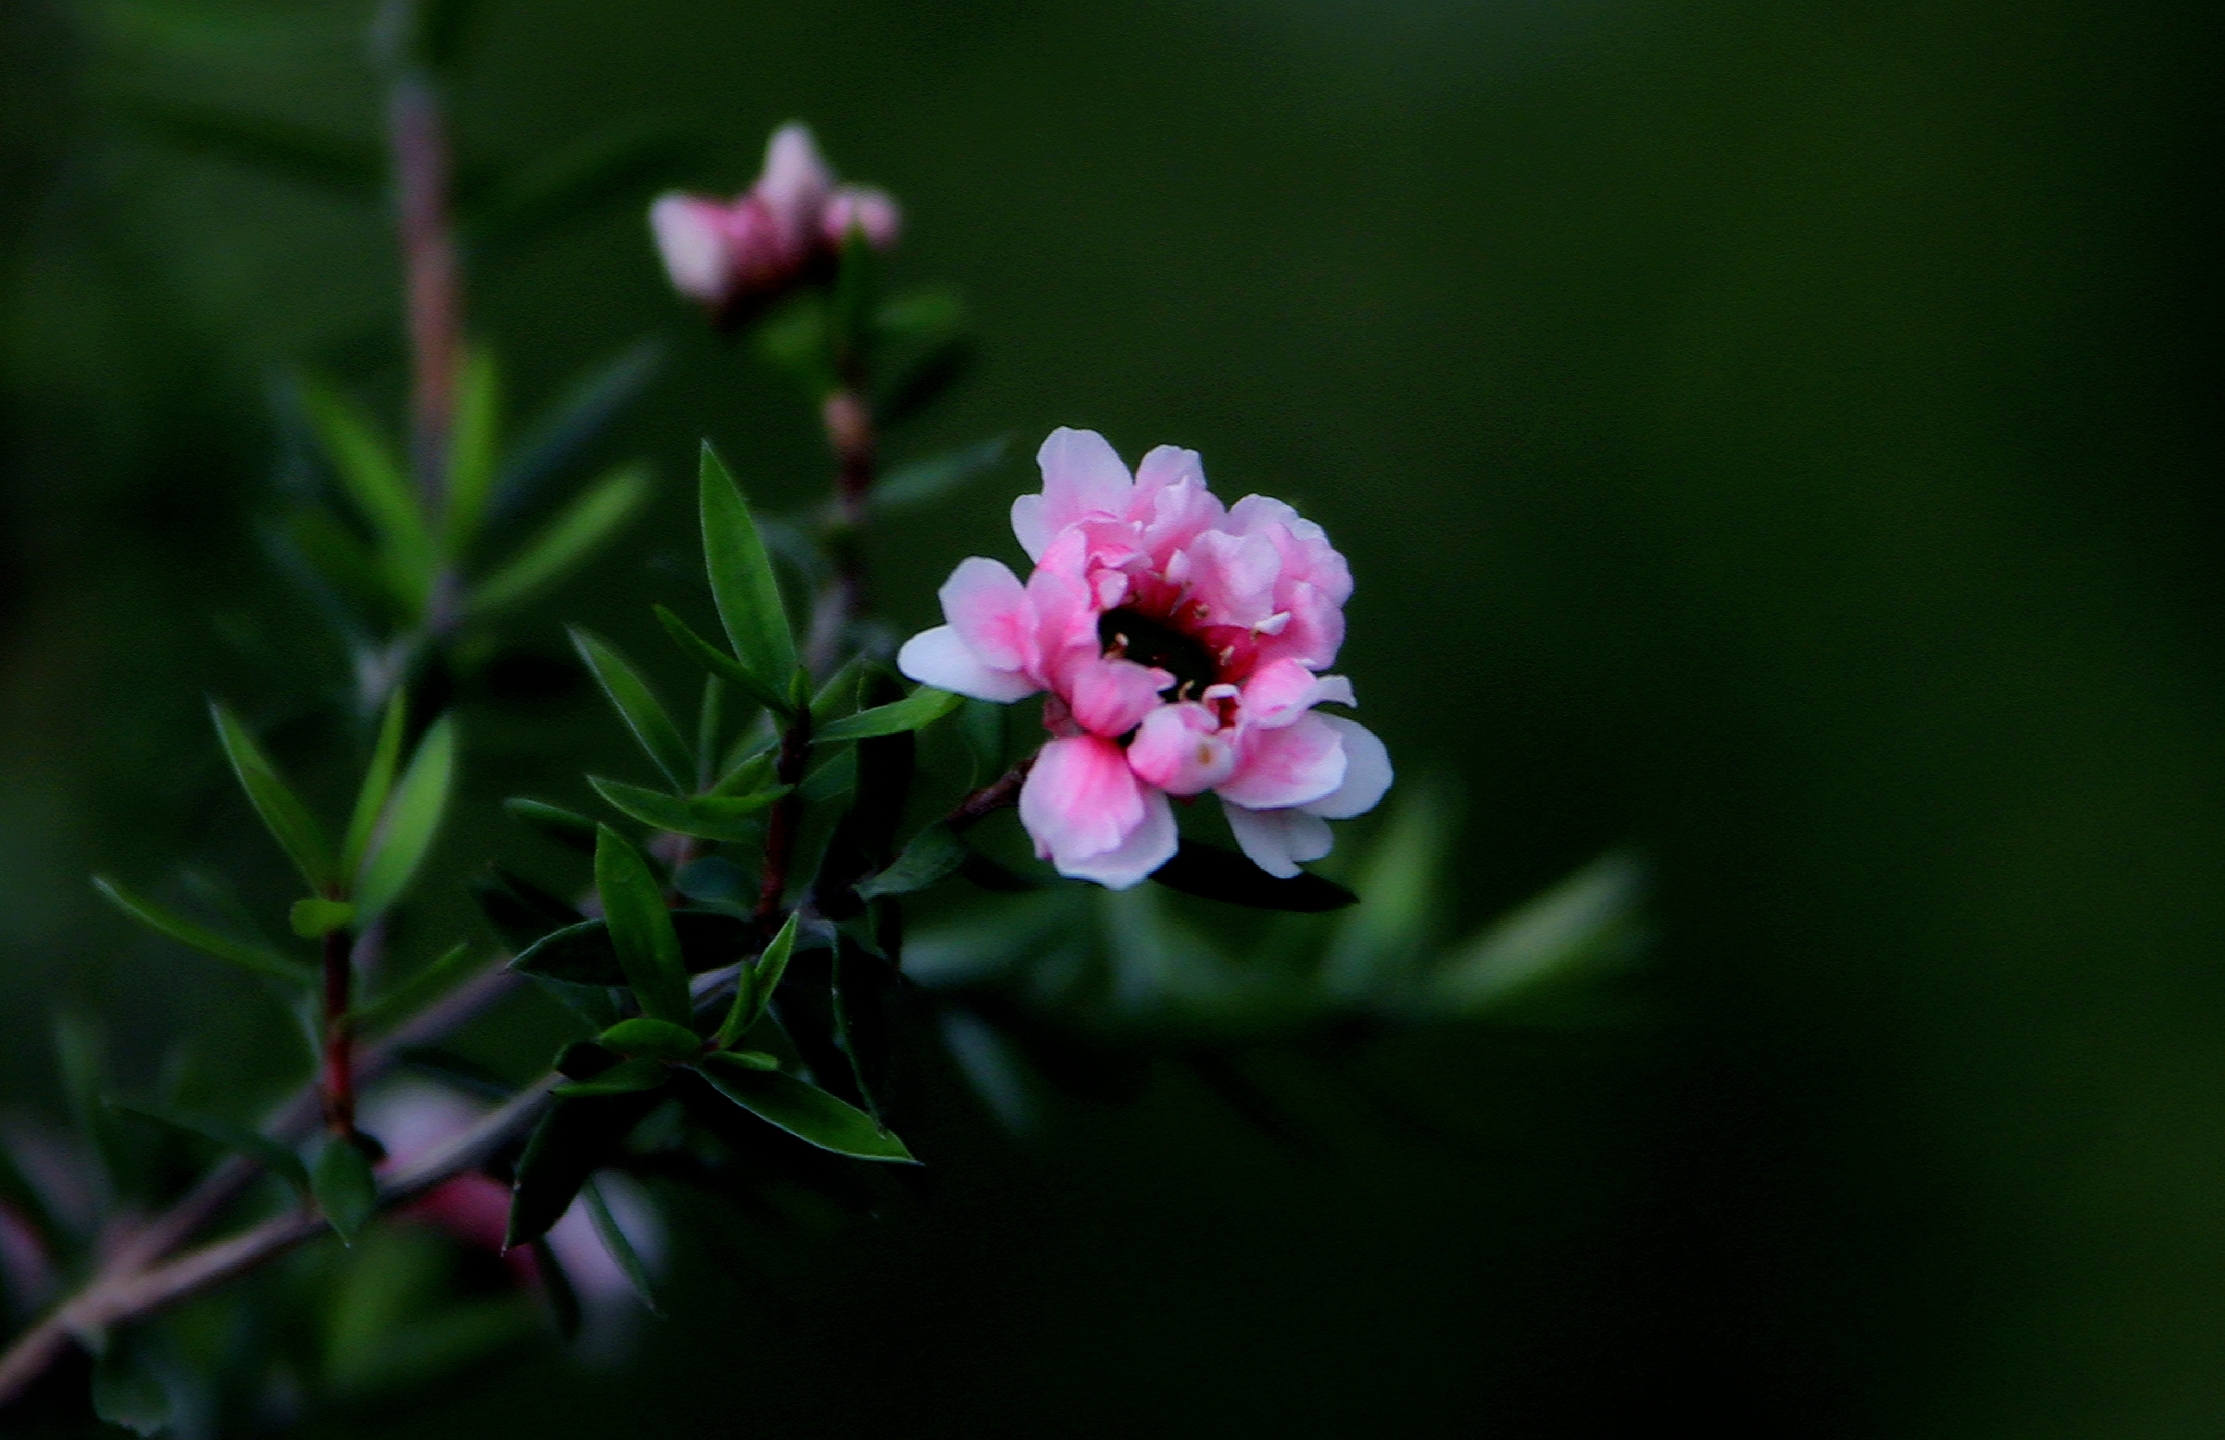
<point x="413" y="993"/>
<point x="794" y="338"/>
<point x="576" y="418"/>
<point x="925" y="481"/>
<point x="574" y="1138"/>
<point x="856" y="295"/>
<point x="644" y="1038"/>
<point x="313" y="919"/>
<point x="379" y="487"/>
<point x="831" y="779"/>
<point x="346" y="1190"/>
<point x="129" y="1394"/>
<point x="207" y="941"/>
<point x="641" y="928"/>
<point x="474" y="447"/>
<point x="754" y="986"/>
<point x="412" y="820"/>
<point x="287" y="819"/>
<point x="921" y="708"/>
<point x="934" y="853"/>
<point x="749" y="775"/>
<point x="568" y="828"/>
<point x="627" y="1077"/>
<point x="718" y="662"/>
<point x="806" y="1112"/>
<point x="340" y="163"/>
<point x="582" y="953"/>
<point x="743" y="1059"/>
<point x="925" y="316"/>
<point x="521" y="912"/>
<point x="239" y="1139"/>
<point x="578" y="531"/>
<point x="708" y="817"/>
<point x="710" y="724"/>
<point x="1590" y="917"/>
<point x="742" y="582"/>
<point x="643" y="713"/>
<point x="619" y="1248"/>
<point x="1217" y="874"/>
<point x="378" y="783"/>
<point x="620" y="165"/>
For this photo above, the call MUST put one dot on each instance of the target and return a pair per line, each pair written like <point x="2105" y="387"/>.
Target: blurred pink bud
<point x="737" y="256"/>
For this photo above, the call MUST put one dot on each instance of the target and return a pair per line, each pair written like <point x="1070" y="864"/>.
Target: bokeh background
<point x="1781" y="437"/>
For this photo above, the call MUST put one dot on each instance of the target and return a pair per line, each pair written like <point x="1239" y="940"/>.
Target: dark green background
<point x="1778" y="435"/>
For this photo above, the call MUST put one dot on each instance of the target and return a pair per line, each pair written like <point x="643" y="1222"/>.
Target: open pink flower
<point x="736" y="255"/>
<point x="1181" y="643"/>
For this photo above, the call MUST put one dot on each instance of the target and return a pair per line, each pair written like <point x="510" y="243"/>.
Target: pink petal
<point x="1279" y="691"/>
<point x="1182" y="750"/>
<point x="1233" y="576"/>
<point x="1367" y="771"/>
<point x="989" y="608"/>
<point x="1080" y="801"/>
<point x="1150" y="845"/>
<point x="691" y="238"/>
<point x="795" y="181"/>
<point x="1110" y="697"/>
<point x="1082" y="476"/>
<point x="1295" y="765"/>
<point x="854" y="207"/>
<point x="938" y="657"/>
<point x="1278" y="840"/>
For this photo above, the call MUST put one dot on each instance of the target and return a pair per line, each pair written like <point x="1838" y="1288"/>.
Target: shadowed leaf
<point x="804" y="1111"/>
<point x="1217" y="874"/>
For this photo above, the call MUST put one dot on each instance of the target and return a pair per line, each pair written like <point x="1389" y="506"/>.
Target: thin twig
<point x="992" y="797"/>
<point x="121" y="1298"/>
<point x="786" y="820"/>
<point x="852" y="436"/>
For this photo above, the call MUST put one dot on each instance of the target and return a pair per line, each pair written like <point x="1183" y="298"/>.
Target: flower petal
<point x="795" y="181"/>
<point x="1297" y="764"/>
<point x="938" y="657"/>
<point x="1280" y="691"/>
<point x="1082" y="476"/>
<point x="1080" y="801"/>
<point x="1182" y="750"/>
<point x="1278" y="840"/>
<point x="1111" y="696"/>
<point x="691" y="237"/>
<point x="1367" y="771"/>
<point x="989" y="608"/>
<point x="1151" y="844"/>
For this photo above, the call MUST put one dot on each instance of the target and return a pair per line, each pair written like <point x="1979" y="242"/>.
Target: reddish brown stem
<point x="339" y="1038"/>
<point x="430" y="276"/>
<point x="992" y="797"/>
<point x="786" y="819"/>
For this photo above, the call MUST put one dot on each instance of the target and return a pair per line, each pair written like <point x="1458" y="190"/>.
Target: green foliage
<point x="754" y="986"/>
<point x="645" y="716"/>
<point x="707" y="817"/>
<point x="803" y="1110"/>
<point x="933" y="853"/>
<point x="412" y="818"/>
<point x="414" y="993"/>
<point x="582" y="953"/>
<point x="345" y="1189"/>
<point x="577" y="532"/>
<point x="249" y="1144"/>
<point x="312" y="919"/>
<point x="283" y="814"/>
<point x="924" y="482"/>
<point x="744" y="588"/>
<point x="378" y="784"/>
<point x="644" y="1038"/>
<point x="641" y="929"/>
<point x="247" y="956"/>
<point x="619" y="1247"/>
<point x="923" y="707"/>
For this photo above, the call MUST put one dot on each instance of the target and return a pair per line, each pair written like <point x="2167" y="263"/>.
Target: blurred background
<point x="1771" y="436"/>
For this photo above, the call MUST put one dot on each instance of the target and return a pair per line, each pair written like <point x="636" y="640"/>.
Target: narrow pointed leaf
<point x="239" y="1139"/>
<point x="619" y="1247"/>
<point x="378" y="784"/>
<point x="578" y="531"/>
<point x="558" y="434"/>
<point x="754" y="986"/>
<point x="313" y="918"/>
<point x="644" y="1038"/>
<point x="415" y="992"/>
<point x="924" y="481"/>
<point x="568" y="828"/>
<point x="521" y="912"/>
<point x="377" y="485"/>
<point x="639" y="707"/>
<point x="718" y="662"/>
<point x="574" y="1138"/>
<point x="287" y="819"/>
<point x="627" y="1077"/>
<point x="806" y="1112"/>
<point x="201" y="938"/>
<point x="934" y="853"/>
<point x="474" y="447"/>
<point x="708" y="817"/>
<point x="583" y="954"/>
<point x="742" y="580"/>
<point x="921" y="708"/>
<point x="345" y="1189"/>
<point x="641" y="928"/>
<point x="412" y="820"/>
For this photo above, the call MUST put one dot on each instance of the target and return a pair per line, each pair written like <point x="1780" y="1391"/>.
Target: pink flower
<point x="740" y="254"/>
<point x="1182" y="645"/>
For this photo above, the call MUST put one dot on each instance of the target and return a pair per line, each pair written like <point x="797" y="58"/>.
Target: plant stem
<point x="119" y="1297"/>
<point x="339" y="1042"/>
<point x="786" y="820"/>
<point x="431" y="284"/>
<point x="851" y="435"/>
<point x="992" y="797"/>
